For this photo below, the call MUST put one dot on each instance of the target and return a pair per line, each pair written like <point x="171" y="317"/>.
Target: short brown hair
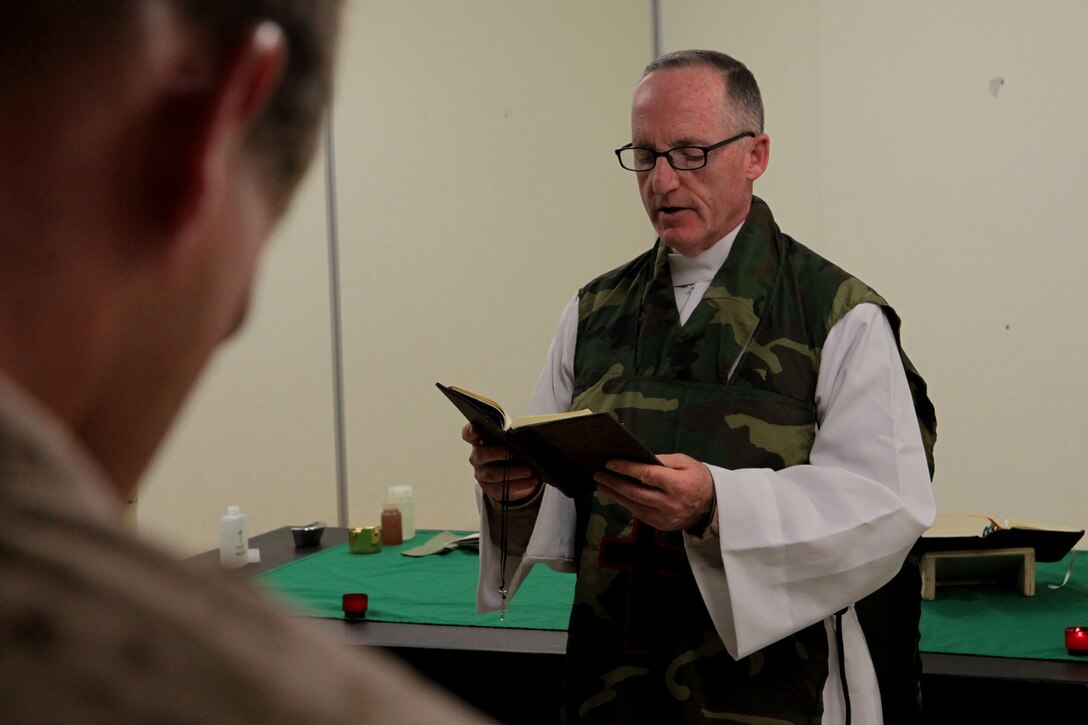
<point x="39" y="38"/>
<point x="741" y="88"/>
<point x="285" y="135"/>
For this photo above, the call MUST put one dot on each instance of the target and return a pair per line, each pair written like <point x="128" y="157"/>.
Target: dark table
<point x="516" y="675"/>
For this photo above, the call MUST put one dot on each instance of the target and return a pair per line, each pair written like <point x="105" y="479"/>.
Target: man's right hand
<point x="494" y="464"/>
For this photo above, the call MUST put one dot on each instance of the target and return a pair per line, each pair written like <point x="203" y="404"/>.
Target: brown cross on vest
<point x="642" y="557"/>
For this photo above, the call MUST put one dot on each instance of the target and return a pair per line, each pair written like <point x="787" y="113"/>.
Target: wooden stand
<point x="992" y="566"/>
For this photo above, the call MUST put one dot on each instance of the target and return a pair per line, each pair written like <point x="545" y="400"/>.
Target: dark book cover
<point x="564" y="451"/>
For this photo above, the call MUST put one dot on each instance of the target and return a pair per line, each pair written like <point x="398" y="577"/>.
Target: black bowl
<point x="309" y="535"/>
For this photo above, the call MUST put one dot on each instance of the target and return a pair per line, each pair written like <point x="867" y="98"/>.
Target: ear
<point x="200" y="140"/>
<point x="759" y="155"/>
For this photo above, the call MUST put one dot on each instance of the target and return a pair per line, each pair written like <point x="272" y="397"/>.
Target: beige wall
<point x="476" y="190"/>
<point x="965" y="208"/>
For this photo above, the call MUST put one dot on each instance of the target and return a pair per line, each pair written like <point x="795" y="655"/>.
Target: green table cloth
<point x="1001" y="622"/>
<point x="441" y="589"/>
<point x="436" y="589"/>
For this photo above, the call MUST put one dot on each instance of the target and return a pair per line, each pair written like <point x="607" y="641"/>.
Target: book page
<point x="972" y="524"/>
<point x="527" y="420"/>
<point x="1037" y="525"/>
<point x="959" y="524"/>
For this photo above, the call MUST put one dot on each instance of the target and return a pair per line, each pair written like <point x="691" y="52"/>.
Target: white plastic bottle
<point x="234" y="539"/>
<point x="403" y="495"/>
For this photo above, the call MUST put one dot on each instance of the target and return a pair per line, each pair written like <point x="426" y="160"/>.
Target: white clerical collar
<point x="703" y="266"/>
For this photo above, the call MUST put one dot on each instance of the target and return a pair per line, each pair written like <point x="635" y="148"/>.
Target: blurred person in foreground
<point x="148" y="149"/>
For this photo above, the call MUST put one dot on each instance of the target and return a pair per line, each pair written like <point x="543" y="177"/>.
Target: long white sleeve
<point x="791" y="547"/>
<point x="553" y="538"/>
<point x="798" y="544"/>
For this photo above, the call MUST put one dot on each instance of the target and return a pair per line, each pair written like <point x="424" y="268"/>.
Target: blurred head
<point x="42" y="39"/>
<point x="698" y="98"/>
<point x="284" y="135"/>
<point x="150" y="147"/>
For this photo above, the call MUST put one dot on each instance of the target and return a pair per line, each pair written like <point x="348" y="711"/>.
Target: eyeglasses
<point x="681" y="158"/>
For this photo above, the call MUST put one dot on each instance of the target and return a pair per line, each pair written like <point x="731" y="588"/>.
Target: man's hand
<point x="494" y="463"/>
<point x="677" y="495"/>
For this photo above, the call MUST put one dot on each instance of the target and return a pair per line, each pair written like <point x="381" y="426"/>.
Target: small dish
<point x="308" y="535"/>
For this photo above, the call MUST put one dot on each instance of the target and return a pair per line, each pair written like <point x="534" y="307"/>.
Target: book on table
<point x="978" y="532"/>
<point x="565" y="449"/>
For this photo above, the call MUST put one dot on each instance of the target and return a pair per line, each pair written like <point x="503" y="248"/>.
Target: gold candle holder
<point x="365" y="540"/>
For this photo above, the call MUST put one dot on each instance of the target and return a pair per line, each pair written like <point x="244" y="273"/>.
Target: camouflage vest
<point x="733" y="387"/>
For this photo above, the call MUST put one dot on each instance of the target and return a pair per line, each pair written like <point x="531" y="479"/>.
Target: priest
<point x="763" y="571"/>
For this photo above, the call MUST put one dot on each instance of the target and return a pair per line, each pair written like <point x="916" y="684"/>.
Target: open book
<point x="565" y="449"/>
<point x="969" y="531"/>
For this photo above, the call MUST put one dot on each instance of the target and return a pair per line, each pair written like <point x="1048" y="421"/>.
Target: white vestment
<point x="788" y="548"/>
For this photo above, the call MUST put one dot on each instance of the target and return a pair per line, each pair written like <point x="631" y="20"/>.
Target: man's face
<point x="692" y="210"/>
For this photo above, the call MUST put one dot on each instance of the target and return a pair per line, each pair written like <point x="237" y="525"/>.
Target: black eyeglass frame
<point x="668" y="153"/>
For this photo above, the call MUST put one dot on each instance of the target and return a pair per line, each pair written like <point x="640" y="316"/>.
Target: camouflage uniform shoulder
<point x="837" y="292"/>
<point x="826" y="286"/>
<point x="612" y="287"/>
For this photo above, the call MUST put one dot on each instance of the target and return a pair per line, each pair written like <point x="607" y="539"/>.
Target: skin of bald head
<point x="689" y="106"/>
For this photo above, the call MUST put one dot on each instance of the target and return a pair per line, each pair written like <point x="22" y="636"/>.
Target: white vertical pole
<point x="334" y="309"/>
<point x="655" y="29"/>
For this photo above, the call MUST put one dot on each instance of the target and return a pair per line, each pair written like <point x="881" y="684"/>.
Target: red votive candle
<point x="355" y="606"/>
<point x="1076" y="640"/>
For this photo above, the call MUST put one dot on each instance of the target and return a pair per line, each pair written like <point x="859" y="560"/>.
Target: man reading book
<point x="795" y="439"/>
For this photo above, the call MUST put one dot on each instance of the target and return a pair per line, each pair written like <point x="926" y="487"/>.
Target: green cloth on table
<point x="975" y="620"/>
<point x="421" y="590"/>
<point x="1000" y="622"/>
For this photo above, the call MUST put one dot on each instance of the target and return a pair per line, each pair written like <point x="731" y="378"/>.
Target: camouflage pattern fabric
<point x="733" y="387"/>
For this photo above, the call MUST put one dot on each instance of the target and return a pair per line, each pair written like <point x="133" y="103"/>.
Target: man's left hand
<point x="676" y="495"/>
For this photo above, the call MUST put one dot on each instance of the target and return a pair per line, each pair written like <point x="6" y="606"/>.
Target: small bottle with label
<point x="234" y="539"/>
<point x="391" y="523"/>
<point x="403" y="494"/>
